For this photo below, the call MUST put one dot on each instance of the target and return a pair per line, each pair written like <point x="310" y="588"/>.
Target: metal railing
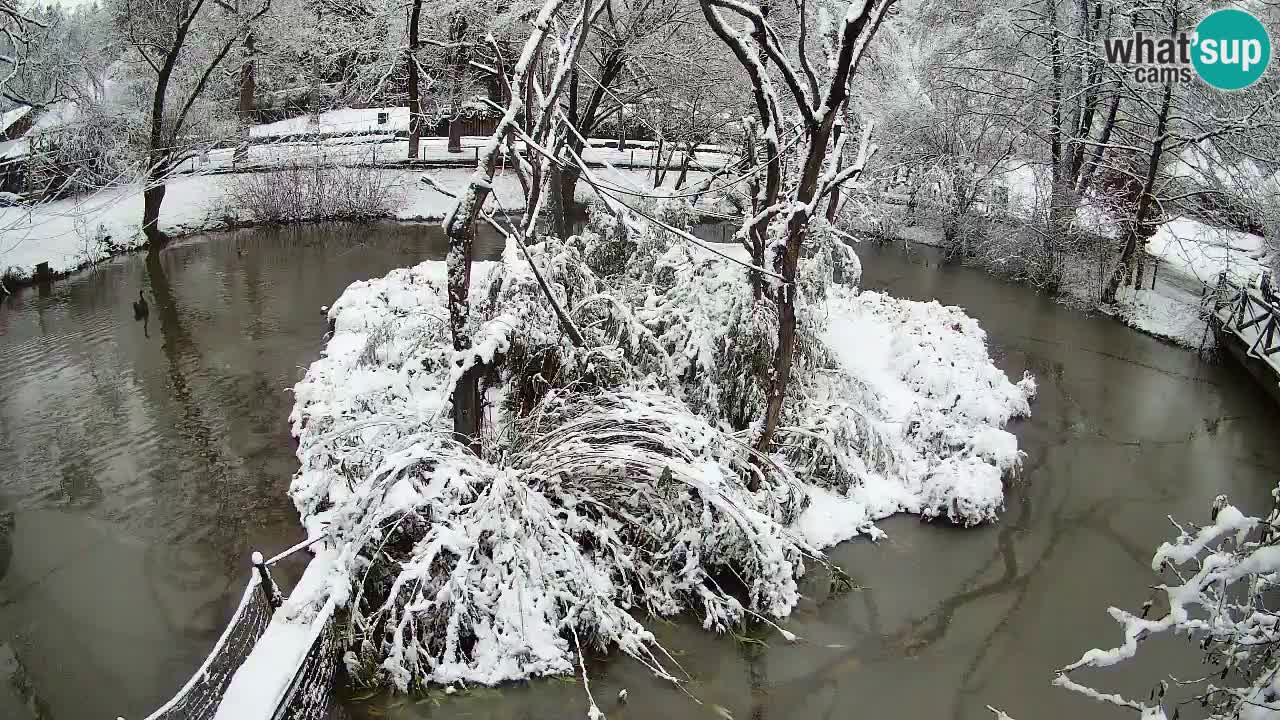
<point x="1250" y="316"/>
<point x="309" y="693"/>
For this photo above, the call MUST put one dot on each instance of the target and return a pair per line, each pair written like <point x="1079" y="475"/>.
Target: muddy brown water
<point x="139" y="466"/>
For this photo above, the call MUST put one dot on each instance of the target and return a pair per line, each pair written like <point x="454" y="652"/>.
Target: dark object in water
<point x="140" y="310"/>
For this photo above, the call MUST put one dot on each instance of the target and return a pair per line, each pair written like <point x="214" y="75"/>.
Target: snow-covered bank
<point x="1189" y="256"/>
<point x="76" y="232"/>
<point x="602" y="491"/>
<point x="1182" y="259"/>
<point x="1203" y="252"/>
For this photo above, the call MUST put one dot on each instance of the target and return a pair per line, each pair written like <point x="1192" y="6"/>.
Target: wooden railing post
<point x="269" y="588"/>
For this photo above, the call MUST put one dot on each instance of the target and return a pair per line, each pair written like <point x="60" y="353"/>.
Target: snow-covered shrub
<point x="1220" y="591"/>
<point x="732" y="387"/>
<point x="85" y="156"/>
<point x="962" y="235"/>
<point x="616" y="477"/>
<point x="10" y="278"/>
<point x="828" y="261"/>
<point x="606" y="245"/>
<point x="473" y="573"/>
<point x="481" y="573"/>
<point x="888" y="222"/>
<point x="304" y="192"/>
<point x="594" y="503"/>
<point x="940" y="432"/>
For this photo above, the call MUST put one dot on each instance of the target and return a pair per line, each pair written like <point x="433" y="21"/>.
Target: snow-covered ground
<point x="1202" y="252"/>
<point x="388" y="149"/>
<point x="75" y="232"/>
<point x="1191" y="255"/>
<point x="1169" y="310"/>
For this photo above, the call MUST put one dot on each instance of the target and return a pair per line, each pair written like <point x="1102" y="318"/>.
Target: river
<point x="141" y="464"/>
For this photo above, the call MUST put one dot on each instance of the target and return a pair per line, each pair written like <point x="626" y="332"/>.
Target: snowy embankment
<point x="76" y="232"/>
<point x="392" y="151"/>
<point x="613" y="479"/>
<point x="1190" y="255"/>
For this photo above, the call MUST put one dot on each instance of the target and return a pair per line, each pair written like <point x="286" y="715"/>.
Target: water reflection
<point x="142" y="461"/>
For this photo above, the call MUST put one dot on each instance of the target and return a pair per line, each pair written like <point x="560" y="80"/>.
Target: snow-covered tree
<point x="778" y="226"/>
<point x="1218" y="590"/>
<point x="177" y="46"/>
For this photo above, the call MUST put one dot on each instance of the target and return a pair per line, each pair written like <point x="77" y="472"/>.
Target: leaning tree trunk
<point x="1057" y="196"/>
<point x="467" y="403"/>
<point x="152" y="198"/>
<point x="785" y="296"/>
<point x="567" y="185"/>
<point x="1095" y="164"/>
<point x="415" y="97"/>
<point x="684" y="165"/>
<point x="833" y="204"/>
<point x="554" y="209"/>
<point x="460" y="229"/>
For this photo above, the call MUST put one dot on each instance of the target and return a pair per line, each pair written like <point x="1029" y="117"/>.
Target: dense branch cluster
<point x="1219" y="593"/>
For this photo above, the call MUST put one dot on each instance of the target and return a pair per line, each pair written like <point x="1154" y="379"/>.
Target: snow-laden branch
<point x="1223" y="597"/>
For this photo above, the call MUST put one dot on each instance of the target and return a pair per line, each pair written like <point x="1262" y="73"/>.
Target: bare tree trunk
<point x="153" y="194"/>
<point x="1095" y="164"/>
<point x="819" y="110"/>
<point x="457" y="72"/>
<point x="684" y="165"/>
<point x="834" y="203"/>
<point x="152" y="198"/>
<point x="1139" y="228"/>
<point x="1092" y="76"/>
<point x="757" y="235"/>
<point x="415" y="97"/>
<point x="785" y="297"/>
<point x="1061" y="208"/>
<point x="161" y="141"/>
<point x="556" y="211"/>
<point x="566" y="187"/>
<point x="460" y="224"/>
<point x="657" y="161"/>
<point x="245" y="111"/>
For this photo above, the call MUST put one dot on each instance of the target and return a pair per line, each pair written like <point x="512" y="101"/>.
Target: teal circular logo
<point x="1232" y="49"/>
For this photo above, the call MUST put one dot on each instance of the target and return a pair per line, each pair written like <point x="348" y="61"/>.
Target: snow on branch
<point x="1223" y="597"/>
<point x="613" y="481"/>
